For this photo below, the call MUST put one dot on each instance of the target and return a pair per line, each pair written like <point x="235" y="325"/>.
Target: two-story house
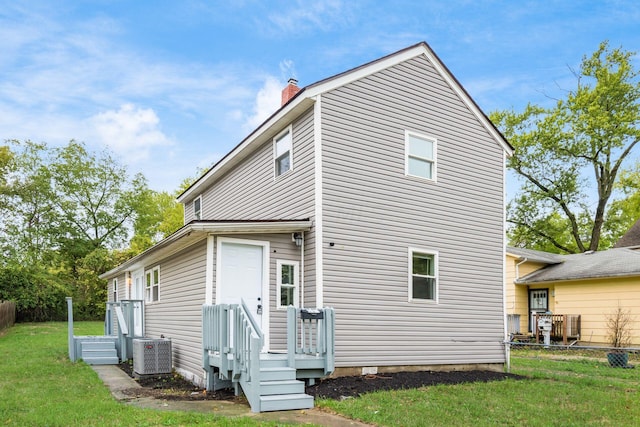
<point x="378" y="192"/>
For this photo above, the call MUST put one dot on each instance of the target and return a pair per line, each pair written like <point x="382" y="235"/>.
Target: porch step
<point x="286" y="402"/>
<point x="277" y="373"/>
<point x="99" y="353"/>
<point x="281" y="387"/>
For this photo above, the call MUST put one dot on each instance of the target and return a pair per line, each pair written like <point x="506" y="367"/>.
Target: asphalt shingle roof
<point x="631" y="238"/>
<point x="535" y="256"/>
<point x="616" y="262"/>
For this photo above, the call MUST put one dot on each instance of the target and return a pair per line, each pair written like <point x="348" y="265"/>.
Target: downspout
<point x="517" y="277"/>
<point x="518" y="265"/>
<point x="302" y="271"/>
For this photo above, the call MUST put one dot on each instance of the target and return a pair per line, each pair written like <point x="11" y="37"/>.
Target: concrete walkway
<point x="117" y="381"/>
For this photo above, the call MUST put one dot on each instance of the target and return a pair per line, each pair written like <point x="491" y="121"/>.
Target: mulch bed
<point x="174" y="387"/>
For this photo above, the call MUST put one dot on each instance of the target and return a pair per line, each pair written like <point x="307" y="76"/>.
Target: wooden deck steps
<point x="279" y="388"/>
<point x="99" y="353"/>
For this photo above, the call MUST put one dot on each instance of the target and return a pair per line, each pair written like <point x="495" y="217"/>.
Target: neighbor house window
<point x="152" y="284"/>
<point x="287" y="283"/>
<point x="423" y="280"/>
<point x="283" y="148"/>
<point x="197" y="208"/>
<point x="115" y="290"/>
<point x="420" y="156"/>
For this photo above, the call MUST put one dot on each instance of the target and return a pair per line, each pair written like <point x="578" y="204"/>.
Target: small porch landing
<point x="117" y="342"/>
<point x="233" y="357"/>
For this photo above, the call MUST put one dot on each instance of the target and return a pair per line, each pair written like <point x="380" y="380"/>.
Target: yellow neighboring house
<point x="585" y="287"/>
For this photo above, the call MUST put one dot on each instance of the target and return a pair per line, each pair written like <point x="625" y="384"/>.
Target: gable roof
<point x="306" y="97"/>
<point x="534" y="256"/>
<point x="617" y="262"/>
<point x="631" y="238"/>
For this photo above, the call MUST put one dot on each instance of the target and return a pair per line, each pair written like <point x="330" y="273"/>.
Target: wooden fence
<point x="7" y="314"/>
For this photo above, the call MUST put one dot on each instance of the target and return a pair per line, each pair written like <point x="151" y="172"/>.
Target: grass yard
<point x="561" y="390"/>
<point x="40" y="386"/>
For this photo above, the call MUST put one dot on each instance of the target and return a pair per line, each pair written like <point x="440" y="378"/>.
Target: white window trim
<point x="296" y="283"/>
<point x="413" y="250"/>
<point x="193" y="204"/>
<point x="115" y="290"/>
<point x="149" y="299"/>
<point x="434" y="169"/>
<point x="288" y="129"/>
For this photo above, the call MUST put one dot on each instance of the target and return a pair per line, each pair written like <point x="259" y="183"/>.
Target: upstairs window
<point x="287" y="283"/>
<point x="197" y="208"/>
<point x="423" y="279"/>
<point x="282" y="149"/>
<point x="152" y="285"/>
<point x="420" y="156"/>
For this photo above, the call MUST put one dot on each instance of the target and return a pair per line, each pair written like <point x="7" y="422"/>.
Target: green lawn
<point x="40" y="386"/>
<point x="560" y="391"/>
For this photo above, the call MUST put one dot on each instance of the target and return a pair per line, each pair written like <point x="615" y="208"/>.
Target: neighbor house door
<point x="538" y="303"/>
<point x="241" y="276"/>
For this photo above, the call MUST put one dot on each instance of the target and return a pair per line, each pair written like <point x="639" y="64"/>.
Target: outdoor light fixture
<point x="297" y="237"/>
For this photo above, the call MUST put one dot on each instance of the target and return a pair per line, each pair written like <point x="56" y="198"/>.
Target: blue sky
<point x="170" y="86"/>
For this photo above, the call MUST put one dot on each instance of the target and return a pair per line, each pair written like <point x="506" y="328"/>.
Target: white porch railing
<point x="120" y="320"/>
<point x="311" y="332"/>
<point x="233" y="342"/>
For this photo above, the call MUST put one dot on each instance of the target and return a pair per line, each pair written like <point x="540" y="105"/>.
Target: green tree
<point x="63" y="211"/>
<point x="566" y="153"/>
<point x="26" y="205"/>
<point x="158" y="216"/>
<point x="626" y="210"/>
<point x="95" y="196"/>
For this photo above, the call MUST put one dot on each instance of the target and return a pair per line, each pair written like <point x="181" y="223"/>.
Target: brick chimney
<point x="289" y="91"/>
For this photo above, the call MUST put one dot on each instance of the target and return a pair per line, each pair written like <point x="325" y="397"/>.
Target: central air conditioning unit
<point x="152" y="356"/>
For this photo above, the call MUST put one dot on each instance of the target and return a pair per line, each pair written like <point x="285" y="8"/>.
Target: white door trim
<point x="266" y="266"/>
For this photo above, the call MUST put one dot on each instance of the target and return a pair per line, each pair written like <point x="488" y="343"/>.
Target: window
<point x="152" y="284"/>
<point x="197" y="208"/>
<point x="282" y="152"/>
<point x="287" y="283"/>
<point x="115" y="290"/>
<point x="421" y="156"/>
<point x="424" y="275"/>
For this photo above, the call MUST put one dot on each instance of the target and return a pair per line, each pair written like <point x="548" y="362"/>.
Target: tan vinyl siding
<point x="178" y="314"/>
<point x="373" y="213"/>
<point x="596" y="299"/>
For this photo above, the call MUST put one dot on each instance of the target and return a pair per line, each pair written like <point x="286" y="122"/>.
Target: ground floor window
<point x="152" y="284"/>
<point x="287" y="283"/>
<point x="423" y="277"/>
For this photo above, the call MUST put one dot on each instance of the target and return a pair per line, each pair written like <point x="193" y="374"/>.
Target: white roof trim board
<point x="196" y="231"/>
<point x="305" y="98"/>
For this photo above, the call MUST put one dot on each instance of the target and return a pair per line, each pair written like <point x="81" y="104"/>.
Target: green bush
<point x="39" y="296"/>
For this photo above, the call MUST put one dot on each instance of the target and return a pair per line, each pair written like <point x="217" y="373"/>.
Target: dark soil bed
<point x="174" y="387"/>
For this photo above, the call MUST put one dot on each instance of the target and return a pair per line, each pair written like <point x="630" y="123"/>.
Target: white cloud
<point x="266" y="103"/>
<point x="131" y="131"/>
<point x="307" y="16"/>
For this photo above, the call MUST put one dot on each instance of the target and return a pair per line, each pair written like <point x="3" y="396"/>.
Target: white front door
<point x="137" y="293"/>
<point x="241" y="276"/>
